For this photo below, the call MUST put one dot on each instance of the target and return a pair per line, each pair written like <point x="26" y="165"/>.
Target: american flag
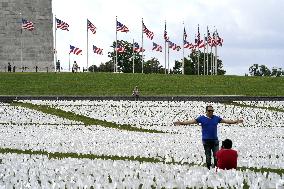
<point x="27" y="25"/>
<point x="121" y="27"/>
<point x="97" y="50"/>
<point x="91" y="26"/>
<point x="219" y="40"/>
<point x="209" y="39"/>
<point x="201" y="44"/>
<point x="174" y="46"/>
<point x="120" y="48"/>
<point x="166" y="37"/>
<point x="184" y="34"/>
<point x="61" y="25"/>
<point x="214" y="42"/>
<point x="149" y="34"/>
<point x="188" y="45"/>
<point x="136" y="47"/>
<point x="157" y="47"/>
<point x="198" y="36"/>
<point x="75" y="50"/>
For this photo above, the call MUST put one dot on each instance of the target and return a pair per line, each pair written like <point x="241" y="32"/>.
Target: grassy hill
<point x="109" y="84"/>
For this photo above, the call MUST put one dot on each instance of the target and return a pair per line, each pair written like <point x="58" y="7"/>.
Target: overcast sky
<point x="252" y="29"/>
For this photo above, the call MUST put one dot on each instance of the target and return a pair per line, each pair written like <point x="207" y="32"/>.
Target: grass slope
<point x="110" y="84"/>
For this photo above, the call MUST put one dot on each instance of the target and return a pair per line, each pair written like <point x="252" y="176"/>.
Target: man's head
<point x="209" y="110"/>
<point x="227" y="144"/>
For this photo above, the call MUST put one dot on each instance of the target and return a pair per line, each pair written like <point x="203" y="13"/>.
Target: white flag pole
<point x="115" y="66"/>
<point x="168" y="59"/>
<point x="165" y="48"/>
<point x="22" y="42"/>
<point x="87" y="46"/>
<point x="133" y="56"/>
<point x="207" y="51"/>
<point x="183" y="39"/>
<point x="204" y="56"/>
<point x="142" y="49"/>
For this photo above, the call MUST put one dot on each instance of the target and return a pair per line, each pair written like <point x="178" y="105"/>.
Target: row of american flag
<point x="213" y="41"/>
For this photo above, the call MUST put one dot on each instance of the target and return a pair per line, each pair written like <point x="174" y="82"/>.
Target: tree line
<point x="262" y="70"/>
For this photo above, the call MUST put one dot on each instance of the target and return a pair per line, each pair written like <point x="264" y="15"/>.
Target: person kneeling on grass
<point x="227" y="157"/>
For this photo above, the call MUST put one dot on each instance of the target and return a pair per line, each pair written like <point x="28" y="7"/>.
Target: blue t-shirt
<point x="209" y="126"/>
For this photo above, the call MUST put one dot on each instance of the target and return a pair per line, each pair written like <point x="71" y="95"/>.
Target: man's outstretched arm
<point x="231" y="121"/>
<point x="192" y="121"/>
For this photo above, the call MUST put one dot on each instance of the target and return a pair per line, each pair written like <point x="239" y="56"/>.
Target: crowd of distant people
<point x="58" y="68"/>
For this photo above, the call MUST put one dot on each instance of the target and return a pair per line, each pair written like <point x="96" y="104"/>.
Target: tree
<point x="93" y="68"/>
<point x="256" y="70"/>
<point x="264" y="71"/>
<point x="191" y="64"/>
<point x="253" y="70"/>
<point x="106" y="67"/>
<point x="277" y="71"/>
<point x="153" y="66"/>
<point x="124" y="59"/>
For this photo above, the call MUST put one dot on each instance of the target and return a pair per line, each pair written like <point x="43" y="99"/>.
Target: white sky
<point x="252" y="29"/>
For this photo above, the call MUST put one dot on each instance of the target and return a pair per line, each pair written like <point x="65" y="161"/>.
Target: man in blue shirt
<point x="209" y="124"/>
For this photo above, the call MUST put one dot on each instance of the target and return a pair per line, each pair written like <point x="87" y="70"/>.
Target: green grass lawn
<point x="110" y="84"/>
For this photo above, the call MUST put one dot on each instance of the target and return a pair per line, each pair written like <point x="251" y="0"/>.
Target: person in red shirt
<point x="227" y="157"/>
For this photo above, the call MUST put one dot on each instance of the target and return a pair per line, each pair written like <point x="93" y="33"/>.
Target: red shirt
<point x="227" y="159"/>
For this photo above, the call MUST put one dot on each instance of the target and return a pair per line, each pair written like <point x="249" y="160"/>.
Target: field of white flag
<point x="39" y="150"/>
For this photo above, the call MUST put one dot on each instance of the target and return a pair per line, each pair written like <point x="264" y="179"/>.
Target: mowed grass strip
<point x="122" y="84"/>
<point x="61" y="155"/>
<point x="86" y="120"/>
<point x="252" y="106"/>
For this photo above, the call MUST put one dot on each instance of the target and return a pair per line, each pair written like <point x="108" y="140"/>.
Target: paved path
<point x="146" y="98"/>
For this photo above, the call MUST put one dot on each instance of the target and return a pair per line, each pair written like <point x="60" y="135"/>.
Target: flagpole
<point x="198" y="51"/>
<point x="142" y="48"/>
<point x="115" y="69"/>
<point x="165" y="49"/>
<point x="197" y="59"/>
<point x="211" y="60"/>
<point x="204" y="57"/>
<point x="55" y="50"/>
<point x="216" y="59"/>
<point x="183" y="48"/>
<point x="69" y="61"/>
<point x="207" y="51"/>
<point x="22" y="42"/>
<point x="133" y="56"/>
<point x="87" y="46"/>
<point x="168" y="59"/>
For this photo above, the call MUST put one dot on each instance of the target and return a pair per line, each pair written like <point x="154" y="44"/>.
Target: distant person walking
<point x="9" y="67"/>
<point x="226" y="157"/>
<point x="75" y="67"/>
<point x="209" y="124"/>
<point x="58" y="66"/>
<point x="135" y="93"/>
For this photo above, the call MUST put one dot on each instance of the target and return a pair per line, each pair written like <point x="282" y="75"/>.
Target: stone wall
<point x="26" y="50"/>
